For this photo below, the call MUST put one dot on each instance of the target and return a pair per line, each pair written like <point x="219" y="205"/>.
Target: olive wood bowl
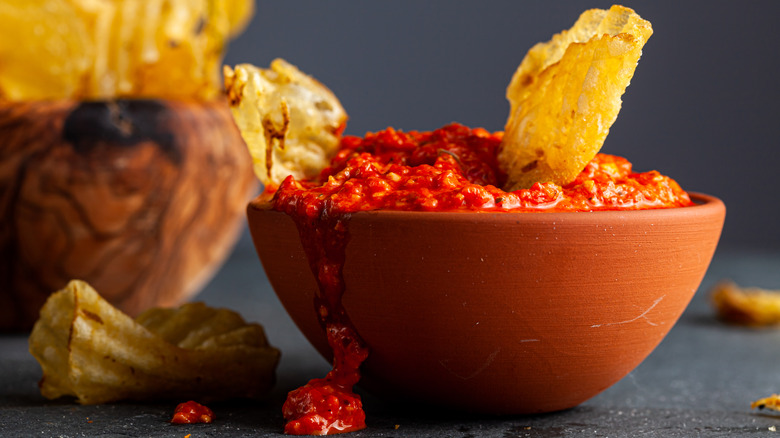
<point x="143" y="199"/>
<point x="504" y="313"/>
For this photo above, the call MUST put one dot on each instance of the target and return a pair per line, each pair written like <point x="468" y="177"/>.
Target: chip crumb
<point x="396" y="426"/>
<point x="772" y="403"/>
<point x="747" y="306"/>
<point x="188" y="435"/>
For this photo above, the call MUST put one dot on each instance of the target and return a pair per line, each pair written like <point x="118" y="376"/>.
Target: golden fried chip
<point x="44" y="50"/>
<point x="772" y="403"/>
<point x="291" y="123"/>
<point x="192" y="324"/>
<point x="92" y="351"/>
<point x="746" y="306"/>
<point x="100" y="49"/>
<point x="239" y="13"/>
<point x="565" y="96"/>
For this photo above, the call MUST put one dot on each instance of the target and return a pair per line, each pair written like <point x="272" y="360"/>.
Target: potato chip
<point x="772" y="403"/>
<point x="291" y="123"/>
<point x="42" y="54"/>
<point x="239" y="13"/>
<point x="100" y="49"/>
<point x="92" y="351"/>
<point x="194" y="324"/>
<point x="746" y="306"/>
<point x="566" y="94"/>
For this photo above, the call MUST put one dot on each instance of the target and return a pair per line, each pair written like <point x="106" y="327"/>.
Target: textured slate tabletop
<point x="698" y="382"/>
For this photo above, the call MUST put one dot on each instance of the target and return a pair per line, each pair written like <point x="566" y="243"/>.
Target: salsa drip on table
<point x="192" y="412"/>
<point x="328" y="405"/>
<point x="449" y="169"/>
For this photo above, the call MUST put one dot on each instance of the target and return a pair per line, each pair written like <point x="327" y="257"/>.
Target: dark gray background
<point x="701" y="108"/>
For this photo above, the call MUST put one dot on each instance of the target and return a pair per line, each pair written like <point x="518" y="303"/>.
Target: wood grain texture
<point x="143" y="199"/>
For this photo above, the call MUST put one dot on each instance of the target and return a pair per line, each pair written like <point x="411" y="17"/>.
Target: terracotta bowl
<point x="141" y="198"/>
<point x="499" y="312"/>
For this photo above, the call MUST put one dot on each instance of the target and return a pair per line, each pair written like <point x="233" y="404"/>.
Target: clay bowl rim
<point x="704" y="204"/>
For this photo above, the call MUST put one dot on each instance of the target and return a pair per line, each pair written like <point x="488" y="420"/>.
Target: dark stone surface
<point x="699" y="381"/>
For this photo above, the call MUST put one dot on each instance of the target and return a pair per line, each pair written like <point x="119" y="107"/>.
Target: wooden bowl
<point x="141" y="198"/>
<point x="505" y="313"/>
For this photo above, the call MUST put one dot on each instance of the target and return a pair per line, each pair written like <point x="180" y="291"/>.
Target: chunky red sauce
<point x="192" y="412"/>
<point x="455" y="168"/>
<point x="452" y="168"/>
<point x="326" y="406"/>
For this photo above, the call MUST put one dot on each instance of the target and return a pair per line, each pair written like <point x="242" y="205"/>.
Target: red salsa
<point x="455" y="168"/>
<point x="192" y="412"/>
<point x="452" y="168"/>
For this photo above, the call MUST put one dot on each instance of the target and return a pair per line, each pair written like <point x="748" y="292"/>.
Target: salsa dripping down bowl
<point x="503" y="313"/>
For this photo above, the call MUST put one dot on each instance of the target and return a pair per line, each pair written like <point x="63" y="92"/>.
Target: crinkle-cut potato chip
<point x="291" y="123"/>
<point x="753" y="307"/>
<point x="101" y="49"/>
<point x="92" y="351"/>
<point x="566" y="94"/>
<point x="772" y="403"/>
